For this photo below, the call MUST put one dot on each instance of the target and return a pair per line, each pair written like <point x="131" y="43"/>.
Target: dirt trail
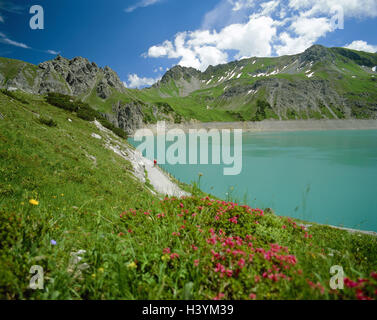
<point x="157" y="178"/>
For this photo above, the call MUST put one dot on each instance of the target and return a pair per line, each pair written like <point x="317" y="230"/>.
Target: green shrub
<point x="292" y="114"/>
<point x="262" y="106"/>
<point x="339" y="111"/>
<point x="14" y="96"/>
<point x="148" y="116"/>
<point x="62" y="101"/>
<point x="178" y="118"/>
<point x="360" y="112"/>
<point x="47" y="121"/>
<point x="108" y="125"/>
<point x="326" y="111"/>
<point x="164" y="107"/>
<point x="236" y="115"/>
<point x="315" y="114"/>
<point x="119" y="132"/>
<point x="85" y="112"/>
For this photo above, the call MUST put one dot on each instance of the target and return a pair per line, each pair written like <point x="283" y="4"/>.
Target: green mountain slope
<point x="72" y="202"/>
<point x="320" y="83"/>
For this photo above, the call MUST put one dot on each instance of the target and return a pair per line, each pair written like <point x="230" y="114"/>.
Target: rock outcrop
<point x="282" y="93"/>
<point x="185" y="80"/>
<point x="76" y="77"/>
<point x="126" y="116"/>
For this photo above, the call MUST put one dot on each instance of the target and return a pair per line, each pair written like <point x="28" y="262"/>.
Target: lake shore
<point x="275" y="126"/>
<point x="350" y="230"/>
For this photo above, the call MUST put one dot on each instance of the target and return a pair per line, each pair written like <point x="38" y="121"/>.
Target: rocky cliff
<point x="73" y="77"/>
<point x="126" y="116"/>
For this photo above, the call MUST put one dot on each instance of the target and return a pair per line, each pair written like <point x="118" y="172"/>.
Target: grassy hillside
<point x="9" y="68"/>
<point x="62" y="191"/>
<point x="232" y="91"/>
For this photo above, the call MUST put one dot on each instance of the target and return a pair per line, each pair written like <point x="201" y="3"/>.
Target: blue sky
<point x="140" y="39"/>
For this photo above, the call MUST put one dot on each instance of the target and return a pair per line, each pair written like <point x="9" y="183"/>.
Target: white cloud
<point x="53" y="52"/>
<point x="269" y="7"/>
<point x="159" y="69"/>
<point x="307" y="31"/>
<point x="266" y="6"/>
<point x="252" y="38"/>
<point x="291" y="45"/>
<point x="15" y="43"/>
<point x="361" y="45"/>
<point x="311" y="28"/>
<point x="141" y="4"/>
<point x="351" y="8"/>
<point x="241" y="4"/>
<point x="223" y="15"/>
<point x="201" y="48"/>
<point x="5" y="39"/>
<point x="11" y="7"/>
<point x="244" y="28"/>
<point x="162" y="50"/>
<point x="134" y="81"/>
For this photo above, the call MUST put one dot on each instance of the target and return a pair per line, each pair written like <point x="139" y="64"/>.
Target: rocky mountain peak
<point x="80" y="75"/>
<point x="316" y="53"/>
<point x="178" y="72"/>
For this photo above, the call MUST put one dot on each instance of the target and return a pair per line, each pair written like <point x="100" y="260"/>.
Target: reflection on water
<point x="323" y="176"/>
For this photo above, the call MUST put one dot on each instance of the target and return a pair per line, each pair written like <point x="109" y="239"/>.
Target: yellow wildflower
<point x="102" y="270"/>
<point x="93" y="275"/>
<point x="33" y="202"/>
<point x="132" y="265"/>
<point x="165" y="257"/>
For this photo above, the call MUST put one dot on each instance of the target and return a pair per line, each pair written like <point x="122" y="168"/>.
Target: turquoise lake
<point x="327" y="177"/>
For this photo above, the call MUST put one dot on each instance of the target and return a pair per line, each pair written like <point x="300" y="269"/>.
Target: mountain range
<point x="320" y="83"/>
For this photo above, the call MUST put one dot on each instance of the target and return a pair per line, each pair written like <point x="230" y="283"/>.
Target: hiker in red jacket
<point x="155" y="163"/>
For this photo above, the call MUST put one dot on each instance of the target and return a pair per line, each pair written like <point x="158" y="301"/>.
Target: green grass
<point x="190" y="107"/>
<point x="339" y="111"/>
<point x="137" y="245"/>
<point x="10" y="68"/>
<point x="292" y="114"/>
<point x="326" y="112"/>
<point x="82" y="110"/>
<point x="14" y="95"/>
<point x="105" y="106"/>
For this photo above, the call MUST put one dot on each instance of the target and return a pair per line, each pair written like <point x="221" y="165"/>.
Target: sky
<point x="142" y="39"/>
